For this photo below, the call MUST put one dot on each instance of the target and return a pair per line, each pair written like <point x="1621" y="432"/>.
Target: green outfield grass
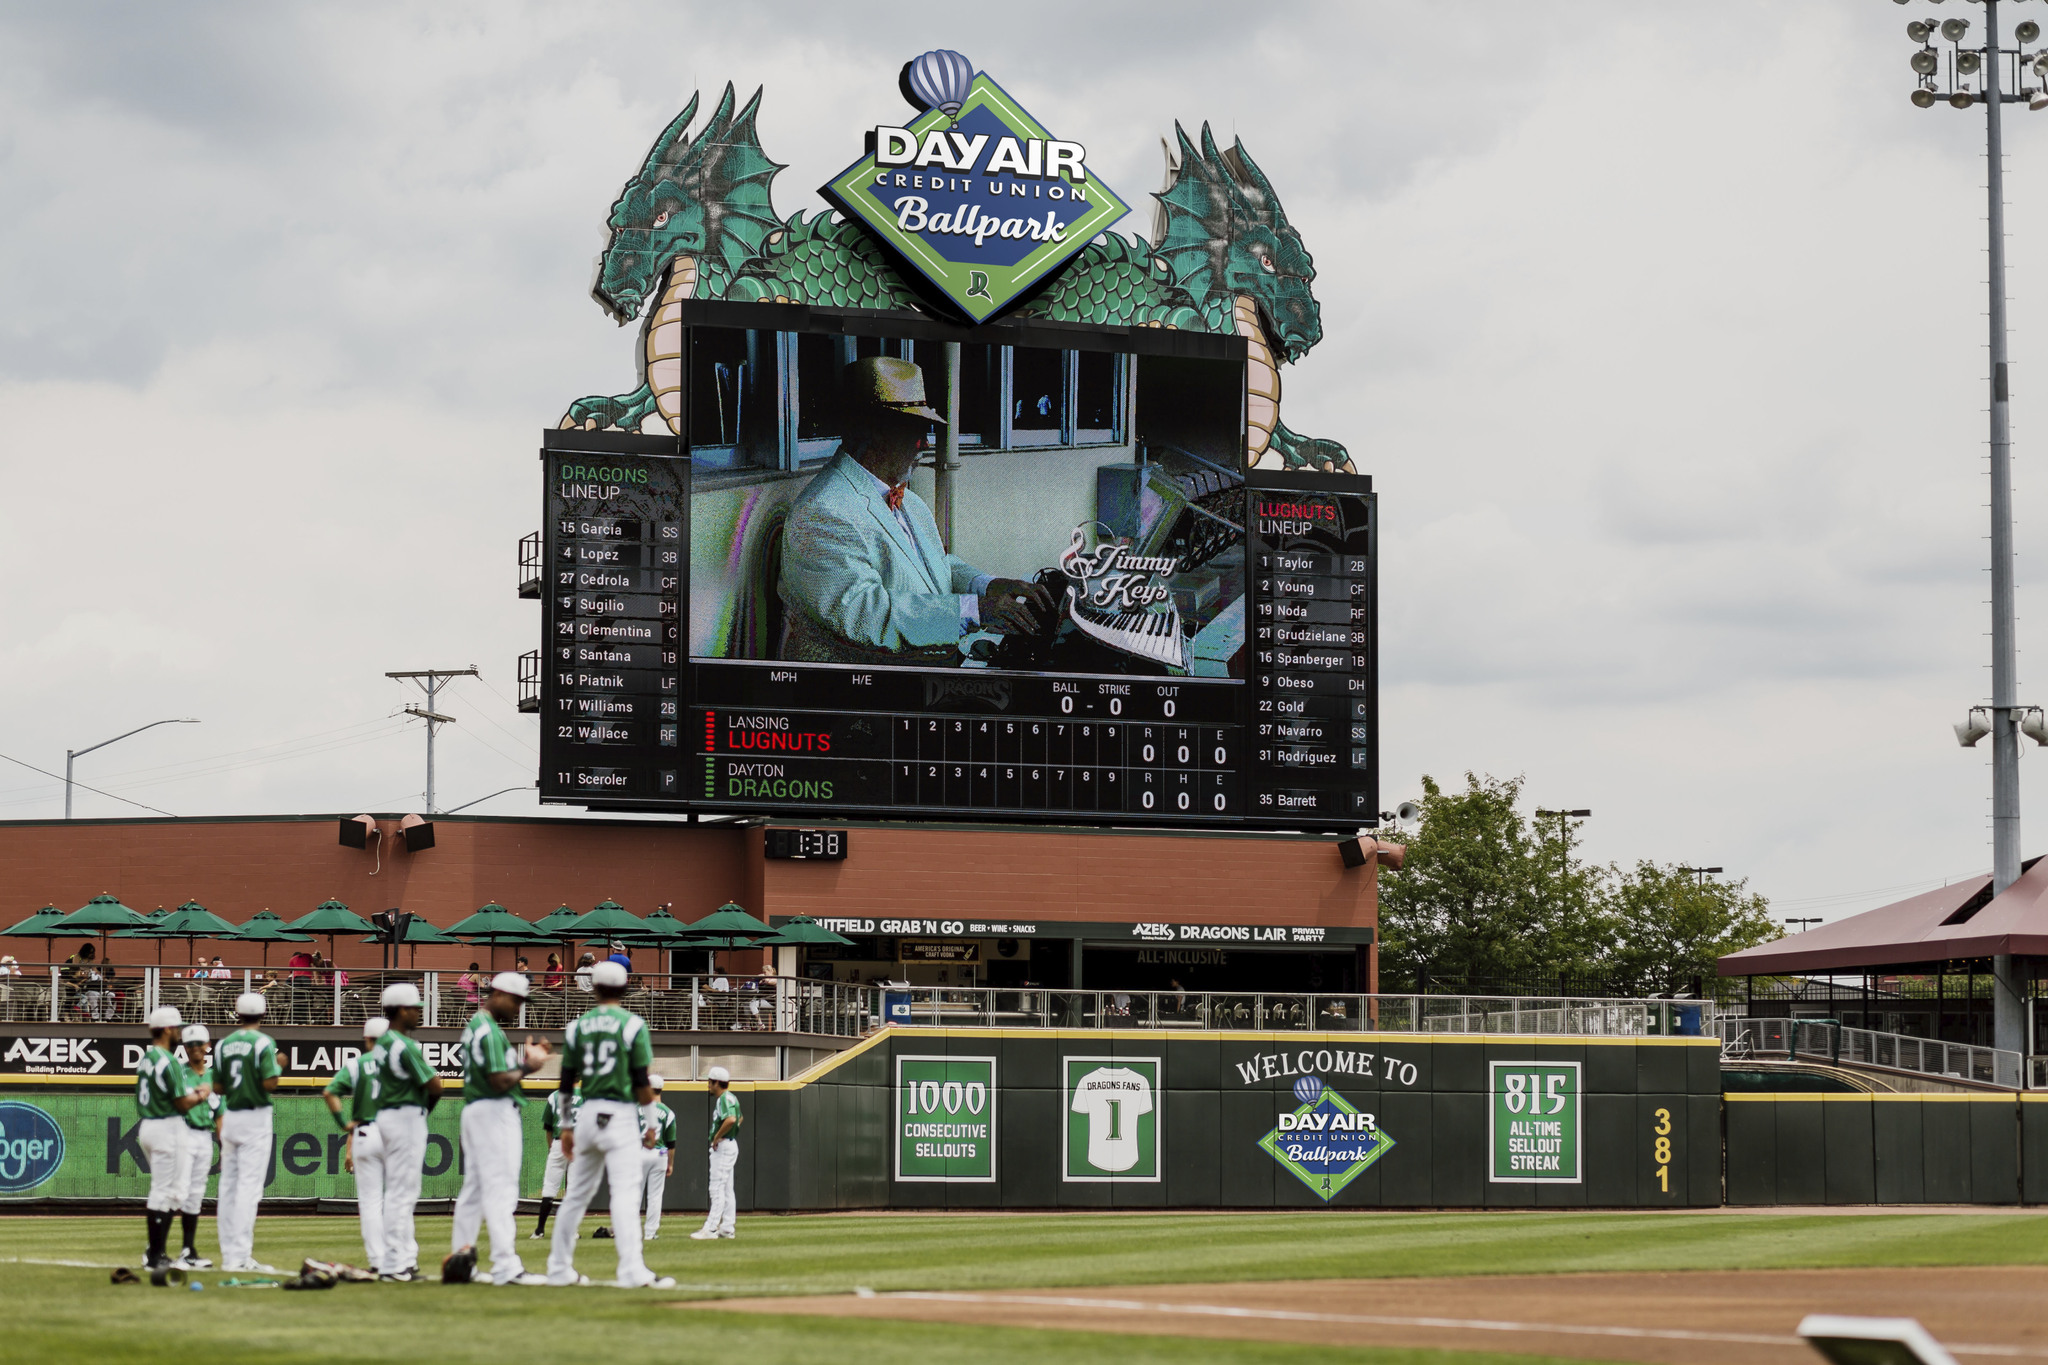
<point x="54" y="1312"/>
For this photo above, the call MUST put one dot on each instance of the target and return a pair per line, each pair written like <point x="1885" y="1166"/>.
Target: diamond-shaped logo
<point x="985" y="211"/>
<point x="1325" y="1140"/>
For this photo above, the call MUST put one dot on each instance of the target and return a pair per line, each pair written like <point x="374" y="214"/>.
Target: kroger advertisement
<point x="83" y="1146"/>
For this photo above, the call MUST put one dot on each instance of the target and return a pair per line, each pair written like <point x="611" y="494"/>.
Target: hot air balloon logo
<point x="938" y="80"/>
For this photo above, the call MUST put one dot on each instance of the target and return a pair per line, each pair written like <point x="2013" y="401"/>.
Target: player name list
<point x="1311" y="747"/>
<point x="611" y="670"/>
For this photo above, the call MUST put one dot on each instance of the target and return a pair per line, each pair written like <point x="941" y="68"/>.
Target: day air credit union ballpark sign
<point x="982" y="205"/>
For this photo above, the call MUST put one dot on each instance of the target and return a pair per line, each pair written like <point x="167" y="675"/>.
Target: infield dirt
<point x="1708" y="1317"/>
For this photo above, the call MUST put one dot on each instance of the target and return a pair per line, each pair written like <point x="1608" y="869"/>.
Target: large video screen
<point x="1023" y="574"/>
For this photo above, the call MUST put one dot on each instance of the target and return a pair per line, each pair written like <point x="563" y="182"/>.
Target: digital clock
<point x="818" y="844"/>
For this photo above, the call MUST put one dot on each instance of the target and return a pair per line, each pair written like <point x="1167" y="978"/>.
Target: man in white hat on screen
<point x="164" y="1093"/>
<point x="407" y="1088"/>
<point x="245" y="1072"/>
<point x="608" y="1053"/>
<point x="725" y="1155"/>
<point x="200" y="1122"/>
<point x="493" y="1140"/>
<point x="352" y="1099"/>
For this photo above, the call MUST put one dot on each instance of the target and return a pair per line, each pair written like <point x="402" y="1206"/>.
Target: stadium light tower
<point x="1947" y="71"/>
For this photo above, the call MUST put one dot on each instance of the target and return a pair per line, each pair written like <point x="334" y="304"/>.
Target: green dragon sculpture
<point x="697" y="221"/>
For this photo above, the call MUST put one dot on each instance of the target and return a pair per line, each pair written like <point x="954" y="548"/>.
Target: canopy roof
<point x="1960" y="921"/>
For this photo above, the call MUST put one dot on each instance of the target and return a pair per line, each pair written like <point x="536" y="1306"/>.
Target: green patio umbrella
<point x="609" y="920"/>
<point x="802" y="930"/>
<point x="493" y="925"/>
<point x="728" y="927"/>
<point x="42" y="924"/>
<point x="557" y="920"/>
<point x="101" y="915"/>
<point x="266" y="929"/>
<point x="332" y="918"/>
<point x="192" y="922"/>
<point x="155" y="919"/>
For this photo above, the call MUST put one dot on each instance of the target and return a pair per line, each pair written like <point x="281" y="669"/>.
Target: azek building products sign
<point x="1533" y="1123"/>
<point x="946" y="1119"/>
<point x="983" y="207"/>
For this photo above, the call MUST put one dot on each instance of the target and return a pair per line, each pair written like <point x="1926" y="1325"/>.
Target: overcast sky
<point x="1659" y="327"/>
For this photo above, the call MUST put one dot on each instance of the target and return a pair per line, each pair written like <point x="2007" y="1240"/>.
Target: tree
<point x="1483" y="896"/>
<point x="1670" y="926"/>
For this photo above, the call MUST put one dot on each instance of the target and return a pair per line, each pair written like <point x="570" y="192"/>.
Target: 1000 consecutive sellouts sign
<point x="946" y="1119"/>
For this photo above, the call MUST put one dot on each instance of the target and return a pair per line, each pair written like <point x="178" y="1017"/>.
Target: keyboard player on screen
<point x="865" y="577"/>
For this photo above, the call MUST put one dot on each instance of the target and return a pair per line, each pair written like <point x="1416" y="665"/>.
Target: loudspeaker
<point x="1353" y="852"/>
<point x="419" y="833"/>
<point x="356" y="831"/>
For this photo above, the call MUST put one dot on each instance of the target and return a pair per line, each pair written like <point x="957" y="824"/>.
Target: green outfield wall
<point x="1887" y="1149"/>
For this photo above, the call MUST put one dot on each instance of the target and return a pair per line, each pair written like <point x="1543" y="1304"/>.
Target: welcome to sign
<point x="983" y="207"/>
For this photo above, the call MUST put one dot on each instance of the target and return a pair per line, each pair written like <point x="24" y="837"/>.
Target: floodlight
<point x="1872" y="1341"/>
<point x="1962" y="99"/>
<point x="1923" y="98"/>
<point x="2036" y="99"/>
<point x="1974" y="729"/>
<point x="1919" y="30"/>
<point x="1954" y="29"/>
<point x="2027" y="31"/>
<point x="1968" y="62"/>
<point x="1925" y="62"/>
<point x="2034" y="725"/>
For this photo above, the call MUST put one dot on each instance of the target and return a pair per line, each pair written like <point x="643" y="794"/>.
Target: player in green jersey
<point x="557" y="1119"/>
<point x="492" y="1141"/>
<point x="200" y="1122"/>
<point x="725" y="1155"/>
<point x="352" y="1099"/>
<point x="608" y="1053"/>
<point x="164" y="1093"/>
<point x="658" y="1132"/>
<point x="246" y="1071"/>
<point x="408" y="1087"/>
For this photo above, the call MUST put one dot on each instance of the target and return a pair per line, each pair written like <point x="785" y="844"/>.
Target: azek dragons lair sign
<point x="983" y="206"/>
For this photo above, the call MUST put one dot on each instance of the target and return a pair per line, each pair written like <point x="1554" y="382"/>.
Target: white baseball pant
<point x="607" y="1144"/>
<point x="199" y="1158"/>
<point x="163" y="1145"/>
<point x="244" y="1162"/>
<point x="404" y="1131"/>
<point x="557" y="1172"/>
<point x="724" y="1206"/>
<point x="657" y="1183"/>
<point x="369" y="1157"/>
<point x="492" y="1147"/>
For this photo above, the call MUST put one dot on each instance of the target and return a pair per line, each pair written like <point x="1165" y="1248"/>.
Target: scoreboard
<point x="1275" y="727"/>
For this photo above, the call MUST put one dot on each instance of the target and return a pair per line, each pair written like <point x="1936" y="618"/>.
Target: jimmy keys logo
<point x="1324" y="1140"/>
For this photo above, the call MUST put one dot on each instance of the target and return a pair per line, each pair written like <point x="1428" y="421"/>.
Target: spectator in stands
<point x="301" y="967"/>
<point x="220" y="970"/>
<point x="621" y="956"/>
<point x="583" y="966"/>
<point x="470" y="981"/>
<point x="554" y="977"/>
<point x="8" y="967"/>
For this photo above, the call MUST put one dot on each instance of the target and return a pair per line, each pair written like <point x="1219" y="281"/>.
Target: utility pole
<point x="430" y="680"/>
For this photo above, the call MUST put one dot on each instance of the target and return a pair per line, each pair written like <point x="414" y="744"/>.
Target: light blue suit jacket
<point x="856" y="588"/>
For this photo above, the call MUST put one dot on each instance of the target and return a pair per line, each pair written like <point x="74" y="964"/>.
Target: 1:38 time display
<point x="827" y="845"/>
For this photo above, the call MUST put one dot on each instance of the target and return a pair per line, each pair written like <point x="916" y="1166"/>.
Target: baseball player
<point x="493" y="1142"/>
<point x="658" y="1131"/>
<point x="608" y="1053"/>
<point x="352" y="1098"/>
<point x="200" y="1121"/>
<point x="557" y="1117"/>
<point x="407" y="1089"/>
<point x="725" y="1155"/>
<point x="246" y="1071"/>
<point x="164" y="1093"/>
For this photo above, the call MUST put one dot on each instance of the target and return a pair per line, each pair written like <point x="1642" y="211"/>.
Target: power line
<point x="47" y="773"/>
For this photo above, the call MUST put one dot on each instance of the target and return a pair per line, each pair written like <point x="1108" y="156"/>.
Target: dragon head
<point x="706" y="197"/>
<point x="1224" y="234"/>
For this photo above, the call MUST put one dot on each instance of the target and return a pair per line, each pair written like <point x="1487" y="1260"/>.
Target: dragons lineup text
<point x="737" y="619"/>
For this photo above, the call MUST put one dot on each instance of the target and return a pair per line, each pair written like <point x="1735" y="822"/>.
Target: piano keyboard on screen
<point x="1153" y="635"/>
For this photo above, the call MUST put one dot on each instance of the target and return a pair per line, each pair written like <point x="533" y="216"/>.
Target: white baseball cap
<point x="512" y="983"/>
<point x="195" y="1033"/>
<point x="718" y="1073"/>
<point x="376" y="1028"/>
<point x="400" y="995"/>
<point x="610" y="975"/>
<point x="654" y="1082"/>
<point x="251" y="1005"/>
<point x="164" y="1016"/>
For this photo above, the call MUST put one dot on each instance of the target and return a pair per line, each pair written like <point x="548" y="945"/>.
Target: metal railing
<point x="1823" y="1040"/>
<point x="1288" y="1012"/>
